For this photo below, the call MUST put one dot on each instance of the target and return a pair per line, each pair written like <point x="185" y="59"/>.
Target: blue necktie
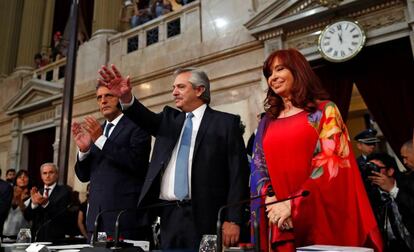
<point x="181" y="166"/>
<point x="108" y="128"/>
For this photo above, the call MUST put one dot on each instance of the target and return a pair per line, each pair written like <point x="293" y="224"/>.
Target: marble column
<point x="10" y="14"/>
<point x="16" y="135"/>
<point x="30" y="34"/>
<point x="106" y="17"/>
<point x="48" y="25"/>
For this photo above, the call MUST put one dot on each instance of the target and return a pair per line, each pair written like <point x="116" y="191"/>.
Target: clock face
<point x="341" y="41"/>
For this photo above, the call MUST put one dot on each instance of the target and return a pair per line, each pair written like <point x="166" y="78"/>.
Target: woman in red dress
<point x="303" y="145"/>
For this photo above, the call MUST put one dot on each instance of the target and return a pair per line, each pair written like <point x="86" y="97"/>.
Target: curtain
<point x="384" y="75"/>
<point x="337" y="81"/>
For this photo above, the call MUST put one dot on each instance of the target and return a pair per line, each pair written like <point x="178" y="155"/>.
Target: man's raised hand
<point x="119" y="85"/>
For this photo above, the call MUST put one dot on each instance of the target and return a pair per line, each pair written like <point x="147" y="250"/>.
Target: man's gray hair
<point x="49" y="164"/>
<point x="198" y="78"/>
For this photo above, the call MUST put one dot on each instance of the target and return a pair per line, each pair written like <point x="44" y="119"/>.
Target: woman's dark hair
<point x="306" y="89"/>
<point x="20" y="173"/>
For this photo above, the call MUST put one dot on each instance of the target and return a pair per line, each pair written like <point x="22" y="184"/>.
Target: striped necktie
<point x="108" y="128"/>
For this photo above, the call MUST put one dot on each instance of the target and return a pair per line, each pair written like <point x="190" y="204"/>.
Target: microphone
<point x="48" y="221"/>
<point x="96" y="223"/>
<point x="302" y="194"/>
<point x="116" y="232"/>
<point x="218" y="225"/>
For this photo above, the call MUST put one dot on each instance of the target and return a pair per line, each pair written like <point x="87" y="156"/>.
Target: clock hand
<point x="340" y="37"/>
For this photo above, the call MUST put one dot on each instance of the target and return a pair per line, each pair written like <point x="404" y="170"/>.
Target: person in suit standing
<point x="48" y="206"/>
<point x="6" y="195"/>
<point x="114" y="158"/>
<point x="199" y="161"/>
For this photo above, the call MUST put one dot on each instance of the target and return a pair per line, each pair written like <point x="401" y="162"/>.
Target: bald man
<point x="407" y="154"/>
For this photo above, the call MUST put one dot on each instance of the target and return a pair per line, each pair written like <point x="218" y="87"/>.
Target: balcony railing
<point x="52" y="72"/>
<point x="161" y="29"/>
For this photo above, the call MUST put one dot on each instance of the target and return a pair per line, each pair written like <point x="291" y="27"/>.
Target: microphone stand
<point x="121" y="212"/>
<point x="47" y="222"/>
<point x="96" y="224"/>
<point x="219" y="224"/>
<point x="116" y="237"/>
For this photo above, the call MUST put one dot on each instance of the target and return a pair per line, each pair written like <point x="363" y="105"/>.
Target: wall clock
<point x="341" y="40"/>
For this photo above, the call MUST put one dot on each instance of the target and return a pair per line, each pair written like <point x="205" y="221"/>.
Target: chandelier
<point x="329" y="3"/>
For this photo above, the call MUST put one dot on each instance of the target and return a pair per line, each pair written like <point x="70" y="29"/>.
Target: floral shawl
<point x="334" y="178"/>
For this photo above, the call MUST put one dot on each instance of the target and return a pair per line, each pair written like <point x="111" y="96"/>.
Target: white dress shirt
<point x="167" y="180"/>
<point x="51" y="187"/>
<point x="100" y="142"/>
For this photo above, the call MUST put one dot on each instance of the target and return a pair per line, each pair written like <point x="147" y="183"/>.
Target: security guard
<point x="366" y="141"/>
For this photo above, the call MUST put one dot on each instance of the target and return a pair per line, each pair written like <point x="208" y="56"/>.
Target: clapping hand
<point x="37" y="198"/>
<point x="119" y="85"/>
<point x="82" y="138"/>
<point x="93" y="127"/>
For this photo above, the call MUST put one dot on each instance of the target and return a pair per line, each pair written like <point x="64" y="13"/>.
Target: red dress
<point x="312" y="152"/>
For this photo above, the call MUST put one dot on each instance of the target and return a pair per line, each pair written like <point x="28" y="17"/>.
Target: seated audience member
<point x="83" y="208"/>
<point x="141" y="14"/>
<point x="366" y="141"/>
<point x="41" y="59"/>
<point x="48" y="206"/>
<point x="392" y="212"/>
<point x="125" y="14"/>
<point x="160" y="7"/>
<point x="10" y="176"/>
<point x="6" y="194"/>
<point x="15" y="220"/>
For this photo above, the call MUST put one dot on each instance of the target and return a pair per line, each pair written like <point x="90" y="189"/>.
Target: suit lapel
<point x="205" y="122"/>
<point x="53" y="194"/>
<point x="178" y="123"/>
<point x="118" y="128"/>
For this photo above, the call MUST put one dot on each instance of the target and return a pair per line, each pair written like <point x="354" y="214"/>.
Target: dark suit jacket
<point x="116" y="174"/>
<point x="361" y="161"/>
<point x="6" y="195"/>
<point x="49" y="223"/>
<point x="382" y="208"/>
<point x="405" y="200"/>
<point x="219" y="169"/>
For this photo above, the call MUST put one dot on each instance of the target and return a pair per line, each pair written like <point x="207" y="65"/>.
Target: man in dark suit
<point x="114" y="158"/>
<point x="199" y="161"/>
<point x="6" y="195"/>
<point x="48" y="206"/>
<point x="11" y="176"/>
<point x="393" y="201"/>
